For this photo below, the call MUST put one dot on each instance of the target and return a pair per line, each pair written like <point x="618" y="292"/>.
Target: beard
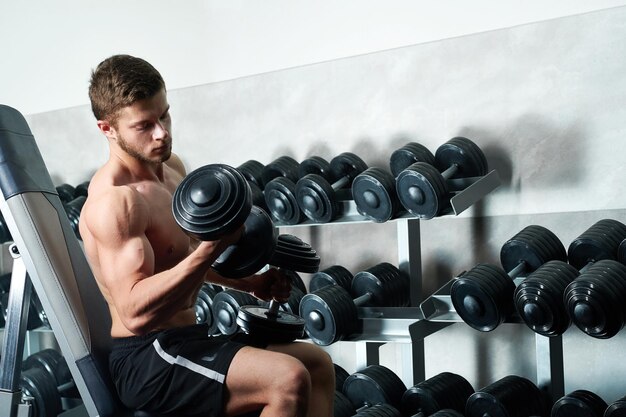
<point x="142" y="157"/>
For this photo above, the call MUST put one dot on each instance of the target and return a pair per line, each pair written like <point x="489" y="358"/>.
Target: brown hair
<point x="120" y="81"/>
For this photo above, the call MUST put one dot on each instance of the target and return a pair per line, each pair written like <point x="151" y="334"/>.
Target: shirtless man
<point x="150" y="272"/>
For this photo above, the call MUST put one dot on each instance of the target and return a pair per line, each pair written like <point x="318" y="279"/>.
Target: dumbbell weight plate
<point x="539" y="298"/>
<point x="478" y="296"/>
<point x="376" y="384"/>
<point x="280" y="198"/>
<point x="594" y="299"/>
<point x="283" y="166"/>
<point x="379" y="410"/>
<point x="252" y="171"/>
<point x="330" y="315"/>
<point x="226" y="305"/>
<point x="342" y="407"/>
<point x="37" y="383"/>
<point x="293" y="254"/>
<point x="534" y="245"/>
<point x="315" y="165"/>
<point x="296" y="280"/>
<point x="444" y="390"/>
<point x="511" y="396"/>
<point x="422" y="190"/>
<point x="600" y="241"/>
<point x="579" y="403"/>
<point x="333" y="275"/>
<point x="283" y="328"/>
<point x="66" y="192"/>
<point x="463" y="153"/>
<point x="212" y="201"/>
<point x="347" y="164"/>
<point x="250" y="254"/>
<point x="408" y="155"/>
<point x="621" y="252"/>
<point x="204" y="307"/>
<point x="374" y="193"/>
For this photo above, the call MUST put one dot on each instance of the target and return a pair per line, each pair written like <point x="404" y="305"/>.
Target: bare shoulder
<point x="114" y="213"/>
<point x="176" y="164"/>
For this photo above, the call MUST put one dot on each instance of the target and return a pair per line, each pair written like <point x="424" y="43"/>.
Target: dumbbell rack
<point x="407" y="327"/>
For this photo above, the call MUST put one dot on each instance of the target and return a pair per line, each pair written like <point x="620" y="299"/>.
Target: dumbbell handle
<point x="515" y="272"/>
<point x="360" y="300"/>
<point x="341" y="182"/>
<point x="450" y="171"/>
<point x="272" y="309"/>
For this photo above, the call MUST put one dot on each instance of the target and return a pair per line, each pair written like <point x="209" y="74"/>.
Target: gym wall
<point x="545" y="101"/>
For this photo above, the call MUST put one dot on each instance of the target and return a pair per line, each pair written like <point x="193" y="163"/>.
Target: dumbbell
<point x="616" y="408"/>
<point x="73" y="209"/>
<point x="539" y="298"/>
<point x="36" y="315"/>
<point x="270" y="323"/>
<point x="511" y="396"/>
<point x="280" y="193"/>
<point x="374" y="385"/>
<point x="594" y="300"/>
<point x="333" y="275"/>
<point x="214" y="201"/>
<point x="226" y="305"/>
<point x="5" y="234"/>
<point x="374" y="190"/>
<point x="46" y="378"/>
<point x="252" y="170"/>
<point x="579" y="403"/>
<point x="318" y="198"/>
<point x="483" y="296"/>
<point x="342" y="405"/>
<point x="331" y="313"/>
<point x="442" y="391"/>
<point x="424" y="189"/>
<point x="621" y="252"/>
<point x="444" y="413"/>
<point x="66" y="192"/>
<point x="204" y="304"/>
<point x="82" y="189"/>
<point x="378" y="410"/>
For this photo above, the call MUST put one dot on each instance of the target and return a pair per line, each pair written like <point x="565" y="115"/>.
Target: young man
<point x="150" y="271"/>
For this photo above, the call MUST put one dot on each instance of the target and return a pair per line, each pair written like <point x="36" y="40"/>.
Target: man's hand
<point x="271" y="284"/>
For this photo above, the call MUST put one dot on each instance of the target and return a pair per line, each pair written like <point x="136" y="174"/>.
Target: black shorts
<point x="176" y="371"/>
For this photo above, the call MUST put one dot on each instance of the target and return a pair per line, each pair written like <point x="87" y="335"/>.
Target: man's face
<point x="143" y="129"/>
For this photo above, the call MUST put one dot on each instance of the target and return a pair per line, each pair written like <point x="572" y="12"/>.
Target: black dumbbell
<point x="73" y="209"/>
<point x="36" y="315"/>
<point x="424" y="189"/>
<point x="511" y="396"/>
<point x="442" y="391"/>
<point x="318" y="198"/>
<point x="594" y="300"/>
<point x="444" y="413"/>
<point x="379" y="410"/>
<point x="483" y="296"/>
<point x="539" y="298"/>
<point x="271" y="323"/>
<point x="374" y="385"/>
<point x="342" y="407"/>
<point x="252" y="170"/>
<point x="214" y="201"/>
<point x="617" y="408"/>
<point x="66" y="192"/>
<point x="226" y="305"/>
<point x="81" y="189"/>
<point x="280" y="193"/>
<point x="46" y="378"/>
<point x="204" y="304"/>
<point x="579" y="403"/>
<point x="621" y="252"/>
<point x="5" y="234"/>
<point x="374" y="190"/>
<point x="333" y="275"/>
<point x="331" y="312"/>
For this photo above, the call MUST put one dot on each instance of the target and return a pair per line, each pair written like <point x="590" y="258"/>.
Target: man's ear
<point x="106" y="128"/>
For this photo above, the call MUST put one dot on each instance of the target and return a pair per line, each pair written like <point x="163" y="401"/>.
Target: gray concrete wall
<point x="545" y="101"/>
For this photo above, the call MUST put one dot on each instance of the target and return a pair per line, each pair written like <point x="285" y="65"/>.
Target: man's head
<point x="120" y="81"/>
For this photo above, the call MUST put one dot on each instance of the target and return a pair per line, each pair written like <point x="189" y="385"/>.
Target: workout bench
<point x="48" y="257"/>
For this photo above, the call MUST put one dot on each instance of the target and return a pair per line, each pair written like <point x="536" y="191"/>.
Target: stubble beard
<point x="141" y="157"/>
